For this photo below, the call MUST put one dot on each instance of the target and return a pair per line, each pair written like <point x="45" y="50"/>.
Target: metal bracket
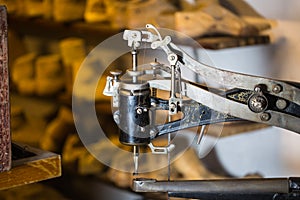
<point x="108" y="89"/>
<point x="161" y="150"/>
<point x="134" y="37"/>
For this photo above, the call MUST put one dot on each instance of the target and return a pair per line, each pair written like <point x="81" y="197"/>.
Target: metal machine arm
<point x="233" y="189"/>
<point x="242" y="97"/>
<point x="264" y="100"/>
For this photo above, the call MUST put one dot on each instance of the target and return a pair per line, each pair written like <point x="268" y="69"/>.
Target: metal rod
<point x="201" y="134"/>
<point x="169" y="153"/>
<point x="134" y="59"/>
<point x="134" y="53"/>
<point x="135" y="159"/>
<point x="222" y="186"/>
<point x="172" y="95"/>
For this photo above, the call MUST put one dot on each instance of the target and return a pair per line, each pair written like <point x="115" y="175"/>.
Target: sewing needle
<point x="135" y="159"/>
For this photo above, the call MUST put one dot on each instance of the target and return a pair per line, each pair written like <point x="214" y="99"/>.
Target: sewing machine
<point x="237" y="97"/>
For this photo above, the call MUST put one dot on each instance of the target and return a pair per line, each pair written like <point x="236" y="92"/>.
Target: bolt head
<point x="172" y="57"/>
<point x="139" y="111"/>
<point x="257" y="103"/>
<point x="265" y="117"/>
<point x="257" y="88"/>
<point x="281" y="104"/>
<point x="133" y="35"/>
<point x="172" y="107"/>
<point x="277" y="89"/>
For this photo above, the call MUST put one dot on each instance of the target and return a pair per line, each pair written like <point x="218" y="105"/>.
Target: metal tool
<point x="272" y="188"/>
<point x="241" y="97"/>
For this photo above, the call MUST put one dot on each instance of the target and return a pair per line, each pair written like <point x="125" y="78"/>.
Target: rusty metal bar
<point x="5" y="139"/>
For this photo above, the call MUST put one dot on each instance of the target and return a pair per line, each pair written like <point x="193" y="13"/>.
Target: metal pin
<point x="201" y="134"/>
<point x="169" y="153"/>
<point x="169" y="158"/>
<point x="135" y="159"/>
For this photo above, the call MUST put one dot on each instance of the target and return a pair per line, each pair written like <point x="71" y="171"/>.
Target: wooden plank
<point x="222" y="42"/>
<point x="5" y="138"/>
<point x="37" y="165"/>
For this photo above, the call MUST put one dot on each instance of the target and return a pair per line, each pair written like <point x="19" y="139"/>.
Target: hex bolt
<point x="277" y="89"/>
<point x="281" y="104"/>
<point x="265" y="117"/>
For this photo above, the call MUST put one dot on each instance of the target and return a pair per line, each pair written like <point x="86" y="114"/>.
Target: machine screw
<point x="139" y="111"/>
<point x="257" y="88"/>
<point x="277" y="89"/>
<point x="265" y="117"/>
<point x="281" y="104"/>
<point x="258" y="103"/>
<point x="133" y="35"/>
<point x="172" y="107"/>
<point x="172" y="57"/>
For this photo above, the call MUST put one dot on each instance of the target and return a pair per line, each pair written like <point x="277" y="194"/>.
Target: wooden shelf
<point x="94" y="33"/>
<point x="223" y="42"/>
<point x="30" y="165"/>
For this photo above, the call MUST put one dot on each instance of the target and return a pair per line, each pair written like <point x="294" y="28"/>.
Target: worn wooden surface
<point x="36" y="165"/>
<point x="5" y="139"/>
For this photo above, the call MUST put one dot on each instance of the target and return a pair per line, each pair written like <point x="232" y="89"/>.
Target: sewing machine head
<point x="241" y="97"/>
<point x="264" y="100"/>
